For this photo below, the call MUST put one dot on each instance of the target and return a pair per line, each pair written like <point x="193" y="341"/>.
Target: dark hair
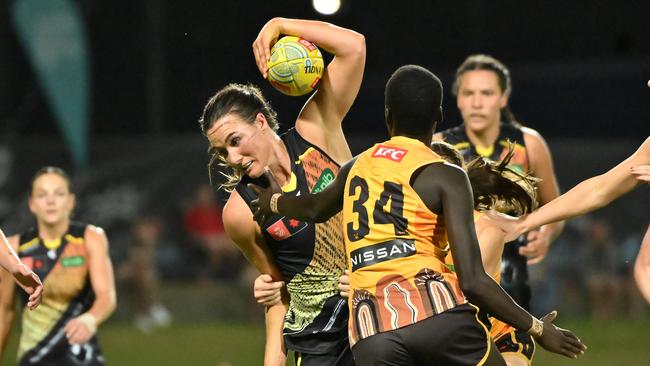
<point x="448" y="152"/>
<point x="413" y="97"/>
<point x="244" y="100"/>
<point x="494" y="185"/>
<point x="52" y="170"/>
<point x="488" y="63"/>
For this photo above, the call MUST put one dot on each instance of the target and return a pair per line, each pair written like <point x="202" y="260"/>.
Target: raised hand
<point x="558" y="340"/>
<point x="262" y="45"/>
<point x="30" y="283"/>
<point x="262" y="204"/>
<point x="266" y="291"/>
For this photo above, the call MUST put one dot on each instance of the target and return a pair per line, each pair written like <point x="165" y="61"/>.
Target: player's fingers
<point x="255" y="188"/>
<point x="536" y="259"/>
<point x="532" y="235"/>
<point x="256" y="54"/>
<point x="575" y="346"/>
<point x="527" y="251"/>
<point x="271" y="178"/>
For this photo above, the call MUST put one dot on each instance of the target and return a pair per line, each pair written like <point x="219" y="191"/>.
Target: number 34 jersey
<point x="395" y="244"/>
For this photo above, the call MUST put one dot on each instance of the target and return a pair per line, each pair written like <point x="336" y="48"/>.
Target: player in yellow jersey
<point x="72" y="260"/>
<point x="400" y="202"/>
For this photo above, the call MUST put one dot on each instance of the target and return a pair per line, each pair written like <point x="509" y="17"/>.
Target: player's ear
<point x="261" y="121"/>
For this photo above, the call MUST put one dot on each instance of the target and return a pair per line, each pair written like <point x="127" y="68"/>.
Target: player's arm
<point x="23" y="276"/>
<point x="642" y="267"/>
<point x="246" y="234"/>
<point x="446" y="190"/>
<point x="491" y="240"/>
<point x="317" y="207"/>
<point x="80" y="329"/>
<point x="590" y="194"/>
<point x="541" y="166"/>
<point x="7" y="302"/>
<point x="320" y="119"/>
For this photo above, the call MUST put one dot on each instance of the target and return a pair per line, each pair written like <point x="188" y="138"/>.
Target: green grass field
<point x="622" y="342"/>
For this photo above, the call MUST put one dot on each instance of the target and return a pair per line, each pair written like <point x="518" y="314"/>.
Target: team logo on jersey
<point x="33" y="263"/>
<point x="381" y="252"/>
<point x="389" y="152"/>
<point x="324" y="180"/>
<point x="285" y="228"/>
<point x="73" y="261"/>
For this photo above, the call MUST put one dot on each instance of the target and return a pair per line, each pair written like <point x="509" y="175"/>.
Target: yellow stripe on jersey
<point x="74" y="240"/>
<point x="29" y="244"/>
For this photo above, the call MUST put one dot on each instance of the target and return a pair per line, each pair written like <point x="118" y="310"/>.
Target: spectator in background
<point x="204" y="226"/>
<point x="139" y="271"/>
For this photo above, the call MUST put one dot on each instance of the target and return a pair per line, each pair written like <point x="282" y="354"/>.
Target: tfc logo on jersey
<point x="389" y="152"/>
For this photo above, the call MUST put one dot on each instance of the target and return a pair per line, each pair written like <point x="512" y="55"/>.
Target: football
<point x="296" y="66"/>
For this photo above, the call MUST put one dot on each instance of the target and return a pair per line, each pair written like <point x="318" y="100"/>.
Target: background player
<point x="592" y="194"/>
<point x="79" y="290"/>
<point x="482" y="88"/>
<point x="241" y="128"/>
<point x="406" y="306"/>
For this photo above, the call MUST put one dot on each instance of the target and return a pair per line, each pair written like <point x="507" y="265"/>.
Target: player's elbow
<point x="474" y="286"/>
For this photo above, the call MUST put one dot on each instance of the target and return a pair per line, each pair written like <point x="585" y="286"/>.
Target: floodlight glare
<point x="326" y="7"/>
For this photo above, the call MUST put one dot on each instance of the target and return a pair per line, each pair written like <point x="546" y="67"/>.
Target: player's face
<point x="241" y="144"/>
<point x="51" y="200"/>
<point x="480" y="99"/>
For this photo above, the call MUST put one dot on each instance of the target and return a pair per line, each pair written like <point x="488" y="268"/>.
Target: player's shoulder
<point x="237" y="216"/>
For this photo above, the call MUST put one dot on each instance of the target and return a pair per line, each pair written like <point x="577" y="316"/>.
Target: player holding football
<point x="399" y="202"/>
<point x="241" y="129"/>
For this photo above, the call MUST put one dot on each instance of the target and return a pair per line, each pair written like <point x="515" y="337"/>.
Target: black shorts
<point x="453" y="338"/>
<point x="340" y="357"/>
<point x="516" y="343"/>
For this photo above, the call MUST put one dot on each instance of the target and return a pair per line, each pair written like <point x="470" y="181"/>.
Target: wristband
<point x="89" y="321"/>
<point x="273" y="204"/>
<point x="537" y="328"/>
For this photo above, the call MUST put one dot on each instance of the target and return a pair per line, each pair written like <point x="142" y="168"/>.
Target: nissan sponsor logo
<point x="377" y="253"/>
<point x="389" y="152"/>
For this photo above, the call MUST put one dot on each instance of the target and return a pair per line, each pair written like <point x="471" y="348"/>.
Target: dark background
<point x="579" y="67"/>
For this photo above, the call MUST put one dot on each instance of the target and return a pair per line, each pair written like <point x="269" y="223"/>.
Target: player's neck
<point x="281" y="166"/>
<point x="485" y="137"/>
<point x="53" y="231"/>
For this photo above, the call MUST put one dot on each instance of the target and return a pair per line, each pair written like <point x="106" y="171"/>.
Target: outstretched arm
<point x="592" y="193"/>
<point x="445" y="189"/>
<point x="317" y="207"/>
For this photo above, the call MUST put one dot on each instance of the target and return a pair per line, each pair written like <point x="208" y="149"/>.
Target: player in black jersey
<point x="241" y="129"/>
<point x="482" y="88"/>
<point x="78" y="287"/>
